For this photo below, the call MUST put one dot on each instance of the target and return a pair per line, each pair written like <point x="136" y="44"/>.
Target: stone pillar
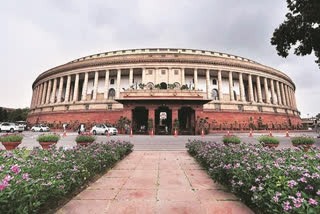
<point x="294" y="98"/>
<point x="118" y="83"/>
<point x="182" y="77"/>
<point x="231" y="86"/>
<point x="284" y="101"/>
<point x="33" y="97"/>
<point x="60" y="90"/>
<point x="278" y="93"/>
<point x="95" y="85"/>
<point x="195" y="79"/>
<point x="259" y="90"/>
<point x="49" y="92"/>
<point x="76" y="89"/>
<point x="130" y="77"/>
<point x="241" y="88"/>
<point x="143" y="75"/>
<point x="220" y="85"/>
<point x="266" y="90"/>
<point x="208" y="83"/>
<point x="175" y="115"/>
<point x="85" y="87"/>
<point x="250" y="88"/>
<point x="273" y="95"/>
<point x="287" y="95"/>
<point x="151" y="116"/>
<point x="43" y="96"/>
<point x="106" y="85"/>
<point x="66" y="99"/>
<point x="54" y="90"/>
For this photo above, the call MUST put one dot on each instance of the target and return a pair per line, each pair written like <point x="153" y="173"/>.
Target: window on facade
<point x="163" y="72"/>
<point x="112" y="81"/>
<point x="111" y="94"/>
<point x="234" y="95"/>
<point x="176" y="72"/>
<point x="214" y="94"/>
<point x="214" y="82"/>
<point x="109" y="106"/>
<point x="149" y="72"/>
<point x="150" y="85"/>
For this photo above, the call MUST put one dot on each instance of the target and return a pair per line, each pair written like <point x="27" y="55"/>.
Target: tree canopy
<point x="301" y="29"/>
<point x="16" y="115"/>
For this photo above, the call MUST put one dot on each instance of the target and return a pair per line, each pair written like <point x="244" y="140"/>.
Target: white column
<point x="208" y="83"/>
<point x="48" y="92"/>
<point x="231" y="86"/>
<point x="195" y="79"/>
<point x="85" y="87"/>
<point x="66" y="99"/>
<point x="95" y="85"/>
<point x="266" y="90"/>
<point x="241" y="88"/>
<point x="259" y="90"/>
<point x="220" y="85"/>
<point x="143" y="75"/>
<point x="250" y="88"/>
<point x="182" y="77"/>
<point x="43" y="97"/>
<point x="287" y="95"/>
<point x="54" y="90"/>
<point x="76" y="89"/>
<point x="273" y="95"/>
<point x="33" y="97"/>
<point x="130" y="77"/>
<point x="106" y="85"/>
<point x="278" y="93"/>
<point x="118" y="83"/>
<point x="284" y="101"/>
<point x="60" y="90"/>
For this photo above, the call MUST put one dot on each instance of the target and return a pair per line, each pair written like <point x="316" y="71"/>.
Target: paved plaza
<point x="161" y="142"/>
<point x="155" y="182"/>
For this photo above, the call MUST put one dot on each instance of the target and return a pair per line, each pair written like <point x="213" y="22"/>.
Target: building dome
<point x="175" y="88"/>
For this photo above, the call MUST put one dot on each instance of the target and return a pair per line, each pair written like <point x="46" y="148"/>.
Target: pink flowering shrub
<point x="35" y="181"/>
<point x="267" y="180"/>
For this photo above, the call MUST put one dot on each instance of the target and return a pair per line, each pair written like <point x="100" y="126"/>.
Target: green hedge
<point x="302" y="140"/>
<point x="231" y="139"/>
<point x="48" y="138"/>
<point x="39" y="180"/>
<point x="11" y="138"/>
<point x="268" y="140"/>
<point x="85" y="138"/>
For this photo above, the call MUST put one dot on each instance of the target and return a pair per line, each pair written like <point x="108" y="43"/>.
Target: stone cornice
<point x="162" y="58"/>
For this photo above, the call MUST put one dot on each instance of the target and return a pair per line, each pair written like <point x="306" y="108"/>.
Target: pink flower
<point x="287" y="205"/>
<point x="15" y="169"/>
<point x="318" y="192"/>
<point x="3" y="186"/>
<point x="312" y="202"/>
<point x="292" y="183"/>
<point x="253" y="188"/>
<point x="7" y="178"/>
<point x="25" y="176"/>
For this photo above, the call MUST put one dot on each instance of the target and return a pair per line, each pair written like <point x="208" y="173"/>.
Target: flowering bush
<point x="85" y="137"/>
<point x="268" y="140"/>
<point x="267" y="180"/>
<point x="11" y="138"/>
<point x="35" y="181"/>
<point x="302" y="140"/>
<point x="231" y="139"/>
<point x="48" y="138"/>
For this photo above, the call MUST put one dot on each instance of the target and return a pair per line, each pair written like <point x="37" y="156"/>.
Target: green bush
<point x="302" y="140"/>
<point x="11" y="138"/>
<point x="48" y="138"/>
<point x="268" y="140"/>
<point x="85" y="138"/>
<point x="231" y="139"/>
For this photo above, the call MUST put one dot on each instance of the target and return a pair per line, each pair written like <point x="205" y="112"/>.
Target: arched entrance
<point x="163" y="85"/>
<point x="186" y="117"/>
<point x="140" y="120"/>
<point x="163" y="120"/>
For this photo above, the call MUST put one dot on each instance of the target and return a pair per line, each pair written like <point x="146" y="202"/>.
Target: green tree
<point x="300" y="29"/>
<point x="318" y="116"/>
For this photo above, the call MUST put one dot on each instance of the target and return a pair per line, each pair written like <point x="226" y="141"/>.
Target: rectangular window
<point x="176" y="72"/>
<point x="163" y="72"/>
<point x="109" y="106"/>
<point x="149" y="72"/>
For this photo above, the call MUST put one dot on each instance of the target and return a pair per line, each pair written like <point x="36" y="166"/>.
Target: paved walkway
<point x="155" y="182"/>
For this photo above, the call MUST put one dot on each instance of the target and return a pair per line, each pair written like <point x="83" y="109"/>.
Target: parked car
<point x="11" y="127"/>
<point x="103" y="129"/>
<point x="23" y="123"/>
<point x="40" y="128"/>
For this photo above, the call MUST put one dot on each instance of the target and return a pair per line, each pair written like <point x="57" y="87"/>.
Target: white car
<point x="40" y="128"/>
<point x="103" y="129"/>
<point x="11" y="127"/>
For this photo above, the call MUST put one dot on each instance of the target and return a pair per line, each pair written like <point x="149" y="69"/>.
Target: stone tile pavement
<point x="160" y="182"/>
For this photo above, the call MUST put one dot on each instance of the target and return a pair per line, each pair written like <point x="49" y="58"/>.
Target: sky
<point x="37" y="35"/>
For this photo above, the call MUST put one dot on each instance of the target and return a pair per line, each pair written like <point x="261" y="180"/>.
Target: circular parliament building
<point x="166" y="89"/>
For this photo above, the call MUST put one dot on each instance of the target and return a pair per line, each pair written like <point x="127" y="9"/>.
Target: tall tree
<point x="301" y="29"/>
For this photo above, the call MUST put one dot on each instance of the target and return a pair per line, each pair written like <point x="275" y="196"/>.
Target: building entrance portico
<point x="163" y="120"/>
